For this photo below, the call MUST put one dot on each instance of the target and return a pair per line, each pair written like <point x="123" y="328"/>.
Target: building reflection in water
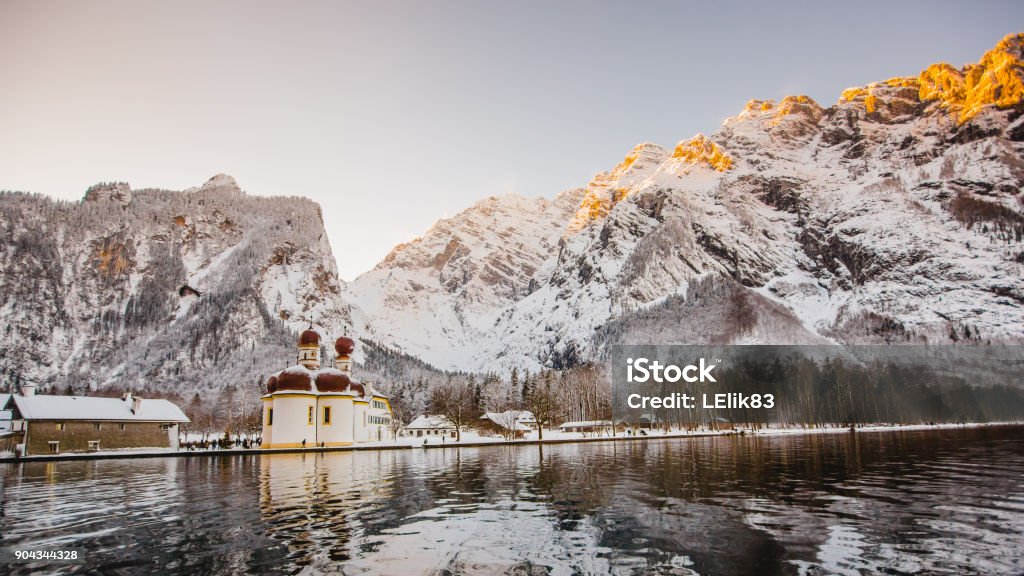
<point x="312" y="503"/>
<point x="828" y="503"/>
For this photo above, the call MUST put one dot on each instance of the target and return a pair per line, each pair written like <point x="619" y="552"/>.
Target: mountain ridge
<point x="894" y="215"/>
<point x="803" y="205"/>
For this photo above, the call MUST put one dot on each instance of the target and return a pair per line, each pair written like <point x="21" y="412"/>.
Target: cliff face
<point x="200" y="290"/>
<point x="894" y="215"/>
<point x="434" y="296"/>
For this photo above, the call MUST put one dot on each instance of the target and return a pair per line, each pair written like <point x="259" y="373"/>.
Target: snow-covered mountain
<point x="436" y="295"/>
<point x="893" y="215"/>
<point x="177" y="291"/>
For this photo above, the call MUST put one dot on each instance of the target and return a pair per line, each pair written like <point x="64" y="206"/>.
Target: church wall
<point x="339" y="431"/>
<point x="291" y="425"/>
<point x="359" y="425"/>
<point x="268" y="429"/>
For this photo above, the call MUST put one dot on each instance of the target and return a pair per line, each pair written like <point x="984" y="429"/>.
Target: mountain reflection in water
<point x="944" y="501"/>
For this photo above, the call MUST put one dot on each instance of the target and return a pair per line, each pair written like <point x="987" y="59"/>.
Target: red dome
<point x="294" y="381"/>
<point x="344" y="346"/>
<point x="309" y="338"/>
<point x="332" y="382"/>
<point x="272" y="384"/>
<point x="357" y="388"/>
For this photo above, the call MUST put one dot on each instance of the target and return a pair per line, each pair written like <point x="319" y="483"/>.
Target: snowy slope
<point x="432" y="297"/>
<point x="99" y="293"/>
<point x="894" y="215"/>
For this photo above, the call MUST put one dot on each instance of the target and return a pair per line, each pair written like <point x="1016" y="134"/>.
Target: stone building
<point x="62" y="424"/>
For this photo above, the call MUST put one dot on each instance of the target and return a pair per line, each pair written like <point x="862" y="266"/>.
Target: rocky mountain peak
<point x="996" y="80"/>
<point x="701" y="151"/>
<point x="608" y="188"/>
<point x="119" y="192"/>
<point x="221" y="183"/>
<point x="792" y="119"/>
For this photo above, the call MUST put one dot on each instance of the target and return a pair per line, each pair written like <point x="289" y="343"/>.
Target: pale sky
<point x="393" y="114"/>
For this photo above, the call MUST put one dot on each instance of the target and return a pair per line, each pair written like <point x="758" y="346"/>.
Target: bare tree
<point x="457" y="402"/>
<point x="545" y="405"/>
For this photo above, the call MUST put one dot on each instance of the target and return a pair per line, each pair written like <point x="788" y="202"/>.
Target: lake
<point x="902" y="502"/>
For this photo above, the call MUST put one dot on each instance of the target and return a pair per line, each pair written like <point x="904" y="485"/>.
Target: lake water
<point x="942" y="501"/>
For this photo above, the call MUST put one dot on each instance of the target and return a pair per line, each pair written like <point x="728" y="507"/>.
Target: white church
<point x="308" y="406"/>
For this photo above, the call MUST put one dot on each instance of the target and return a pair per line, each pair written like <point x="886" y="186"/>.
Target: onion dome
<point x="357" y="388"/>
<point x="332" y="381"/>
<point x="309" y="338"/>
<point x="344" y="346"/>
<point x="292" y="379"/>
<point x="272" y="384"/>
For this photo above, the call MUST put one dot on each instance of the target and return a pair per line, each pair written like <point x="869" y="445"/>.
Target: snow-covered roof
<point x="41" y="407"/>
<point x="432" y="422"/>
<point x="586" y="424"/>
<point x="517" y="419"/>
<point x="4" y="399"/>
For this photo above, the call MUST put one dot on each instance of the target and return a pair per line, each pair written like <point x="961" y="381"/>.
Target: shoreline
<point x="675" y="435"/>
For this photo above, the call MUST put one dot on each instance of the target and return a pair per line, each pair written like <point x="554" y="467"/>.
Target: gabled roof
<point x="4" y="399"/>
<point x="434" y="422"/>
<point x="511" y="419"/>
<point x="585" y="423"/>
<point x="42" y="407"/>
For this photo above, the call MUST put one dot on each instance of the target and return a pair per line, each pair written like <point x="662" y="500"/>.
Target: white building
<point x="430" y="426"/>
<point x="308" y="406"/>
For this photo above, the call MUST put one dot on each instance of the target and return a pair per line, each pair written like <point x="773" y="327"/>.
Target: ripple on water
<point x="941" y="501"/>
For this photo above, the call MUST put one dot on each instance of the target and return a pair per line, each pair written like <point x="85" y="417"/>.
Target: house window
<point x="270" y="416"/>
<point x="61" y="426"/>
<point x="54" y="447"/>
<point x="94" y="445"/>
<point x="97" y="426"/>
<point x="327" y="414"/>
<point x="165" y="427"/>
<point x="121" y="426"/>
<point x="309" y="416"/>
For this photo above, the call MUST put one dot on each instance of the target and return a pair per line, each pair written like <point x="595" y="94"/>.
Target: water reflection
<point x="904" y="502"/>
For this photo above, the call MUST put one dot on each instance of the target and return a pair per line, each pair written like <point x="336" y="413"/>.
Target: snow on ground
<point x="471" y="438"/>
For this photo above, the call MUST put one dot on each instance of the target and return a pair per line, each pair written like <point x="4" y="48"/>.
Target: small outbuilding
<point x="433" y="426"/>
<point x="511" y="424"/>
<point x="588" y="426"/>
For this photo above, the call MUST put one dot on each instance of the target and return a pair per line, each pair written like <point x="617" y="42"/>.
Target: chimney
<point x="28" y="389"/>
<point x="127" y="397"/>
<point x="136" y="404"/>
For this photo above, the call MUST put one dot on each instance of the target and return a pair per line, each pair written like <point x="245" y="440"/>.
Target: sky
<point x="394" y="114"/>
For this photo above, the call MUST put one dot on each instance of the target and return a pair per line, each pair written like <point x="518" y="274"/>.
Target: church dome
<point x="272" y="384"/>
<point x="293" y="379"/>
<point x="309" y="338"/>
<point x="332" y="381"/>
<point x="344" y="346"/>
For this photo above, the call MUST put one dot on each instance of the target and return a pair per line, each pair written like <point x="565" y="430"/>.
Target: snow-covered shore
<point x="471" y="439"/>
